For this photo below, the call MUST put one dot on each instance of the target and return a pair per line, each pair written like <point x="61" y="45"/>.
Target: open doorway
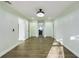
<point x="40" y="29"/>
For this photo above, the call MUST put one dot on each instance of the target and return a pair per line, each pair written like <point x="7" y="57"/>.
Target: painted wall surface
<point x="48" y="29"/>
<point x="26" y="29"/>
<point x="8" y="30"/>
<point x="33" y="28"/>
<point x="67" y="31"/>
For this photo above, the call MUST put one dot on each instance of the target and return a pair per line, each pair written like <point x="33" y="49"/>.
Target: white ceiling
<point x="52" y="9"/>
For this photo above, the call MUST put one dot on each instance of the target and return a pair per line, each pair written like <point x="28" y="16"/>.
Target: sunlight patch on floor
<point x="56" y="51"/>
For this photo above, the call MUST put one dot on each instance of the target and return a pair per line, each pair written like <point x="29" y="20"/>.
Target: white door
<point x="21" y="29"/>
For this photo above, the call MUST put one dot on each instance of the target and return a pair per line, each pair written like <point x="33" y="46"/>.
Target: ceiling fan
<point x="40" y="13"/>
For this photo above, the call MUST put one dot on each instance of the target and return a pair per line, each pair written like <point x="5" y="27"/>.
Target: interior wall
<point x="26" y="29"/>
<point x="33" y="28"/>
<point x="8" y="30"/>
<point x="48" y="29"/>
<point x="67" y="31"/>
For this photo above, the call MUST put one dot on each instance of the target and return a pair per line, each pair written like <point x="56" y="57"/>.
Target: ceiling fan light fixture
<point x="40" y="13"/>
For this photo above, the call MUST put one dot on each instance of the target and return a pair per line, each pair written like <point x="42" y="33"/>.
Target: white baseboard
<point x="7" y="50"/>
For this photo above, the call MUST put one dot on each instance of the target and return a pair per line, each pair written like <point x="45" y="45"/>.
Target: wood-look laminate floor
<point x="69" y="54"/>
<point x="39" y="48"/>
<point x="32" y="47"/>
